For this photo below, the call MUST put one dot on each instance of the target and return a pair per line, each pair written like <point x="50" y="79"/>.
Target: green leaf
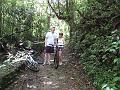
<point x="116" y="79"/>
<point x="117" y="60"/>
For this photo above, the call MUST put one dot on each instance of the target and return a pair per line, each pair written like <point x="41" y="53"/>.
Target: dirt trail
<point x="69" y="76"/>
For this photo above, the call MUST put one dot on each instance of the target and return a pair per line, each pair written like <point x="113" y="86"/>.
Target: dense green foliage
<point x="95" y="40"/>
<point x="20" y="20"/>
<point x="23" y="20"/>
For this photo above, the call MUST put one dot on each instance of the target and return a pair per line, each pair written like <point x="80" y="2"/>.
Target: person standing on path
<point x="50" y="41"/>
<point x="60" y="43"/>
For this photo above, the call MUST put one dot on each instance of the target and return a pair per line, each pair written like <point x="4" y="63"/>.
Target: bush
<point x="39" y="47"/>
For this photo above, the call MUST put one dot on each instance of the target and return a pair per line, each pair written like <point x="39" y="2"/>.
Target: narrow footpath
<point x="69" y="76"/>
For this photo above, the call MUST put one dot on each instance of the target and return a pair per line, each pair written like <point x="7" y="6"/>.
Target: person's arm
<point x="46" y="37"/>
<point x="56" y="40"/>
<point x="45" y="41"/>
<point x="63" y="41"/>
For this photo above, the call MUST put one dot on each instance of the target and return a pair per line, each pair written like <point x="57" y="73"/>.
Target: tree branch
<point x="58" y="14"/>
<point x="53" y="9"/>
<point x="81" y="14"/>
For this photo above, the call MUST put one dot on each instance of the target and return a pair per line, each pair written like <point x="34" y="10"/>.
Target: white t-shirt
<point x="60" y="42"/>
<point x="50" y="37"/>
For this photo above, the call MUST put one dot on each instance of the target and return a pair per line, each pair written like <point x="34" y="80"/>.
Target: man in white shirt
<point x="50" y="41"/>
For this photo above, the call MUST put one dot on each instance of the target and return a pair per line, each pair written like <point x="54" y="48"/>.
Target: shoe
<point x="60" y="63"/>
<point x="44" y="62"/>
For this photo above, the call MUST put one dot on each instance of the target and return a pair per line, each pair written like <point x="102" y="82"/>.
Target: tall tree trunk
<point x="48" y="22"/>
<point x="0" y="18"/>
<point x="71" y="11"/>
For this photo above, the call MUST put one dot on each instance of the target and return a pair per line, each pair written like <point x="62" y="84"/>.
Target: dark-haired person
<point x="60" y="44"/>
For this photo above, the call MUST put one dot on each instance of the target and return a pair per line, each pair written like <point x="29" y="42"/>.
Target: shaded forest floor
<point x="69" y="76"/>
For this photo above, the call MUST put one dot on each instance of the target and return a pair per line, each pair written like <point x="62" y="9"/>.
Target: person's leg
<point x="51" y="50"/>
<point x="48" y="58"/>
<point x="46" y="54"/>
<point x="60" y="57"/>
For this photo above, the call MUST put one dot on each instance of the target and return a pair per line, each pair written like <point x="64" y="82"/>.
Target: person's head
<point x="53" y="29"/>
<point x="60" y="35"/>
